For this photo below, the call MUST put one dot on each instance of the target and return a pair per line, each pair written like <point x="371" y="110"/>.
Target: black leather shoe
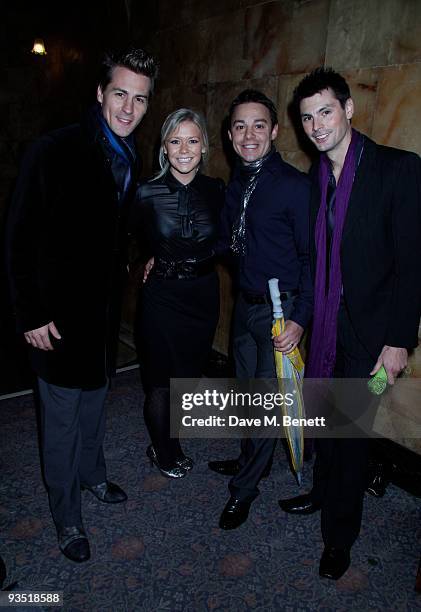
<point x="107" y="492"/>
<point x="379" y="478"/>
<point x="302" y="504"/>
<point x="234" y="514"/>
<point x="334" y="562"/>
<point x="185" y="462"/>
<point x="230" y="467"/>
<point x="74" y="544"/>
<point x="177" y="471"/>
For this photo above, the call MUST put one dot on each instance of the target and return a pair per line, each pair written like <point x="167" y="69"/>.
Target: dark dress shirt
<point x="277" y="233"/>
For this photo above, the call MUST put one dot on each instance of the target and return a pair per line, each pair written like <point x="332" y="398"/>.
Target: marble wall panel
<point x="374" y="33"/>
<point x="287" y="36"/>
<point x="268" y="85"/>
<point x="298" y="159"/>
<point x="288" y="132"/>
<point x="191" y="11"/>
<point x="219" y="97"/>
<point x="396" y="118"/>
<point x="217" y="164"/>
<point x="308" y="35"/>
<point x="226" y="51"/>
<point x="364" y="88"/>
<point x="184" y="55"/>
<point x="406" y="47"/>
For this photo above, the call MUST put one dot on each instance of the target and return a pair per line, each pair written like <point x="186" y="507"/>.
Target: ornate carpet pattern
<point x="163" y="550"/>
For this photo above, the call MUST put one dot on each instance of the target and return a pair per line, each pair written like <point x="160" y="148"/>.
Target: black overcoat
<point x="380" y="247"/>
<point x="66" y="247"/>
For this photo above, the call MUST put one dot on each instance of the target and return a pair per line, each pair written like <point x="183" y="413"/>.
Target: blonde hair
<point x="169" y="126"/>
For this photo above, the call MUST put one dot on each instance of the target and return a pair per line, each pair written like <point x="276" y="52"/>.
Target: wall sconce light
<point x="39" y="47"/>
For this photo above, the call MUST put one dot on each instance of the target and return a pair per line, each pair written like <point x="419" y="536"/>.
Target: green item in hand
<point x="378" y="383"/>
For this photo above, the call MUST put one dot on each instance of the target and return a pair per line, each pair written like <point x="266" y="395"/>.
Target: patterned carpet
<point x="163" y="551"/>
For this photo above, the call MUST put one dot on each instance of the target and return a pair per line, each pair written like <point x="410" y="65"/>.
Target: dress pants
<point x="253" y="356"/>
<point x="340" y="469"/>
<point x="72" y="434"/>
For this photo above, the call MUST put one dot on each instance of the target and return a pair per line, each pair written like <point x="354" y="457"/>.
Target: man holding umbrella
<point x="265" y="223"/>
<point x="365" y="251"/>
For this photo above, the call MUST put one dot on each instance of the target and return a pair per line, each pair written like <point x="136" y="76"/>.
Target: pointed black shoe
<point x="178" y="471"/>
<point x="231" y="467"/>
<point x="184" y="462"/>
<point x="234" y="514"/>
<point x="107" y="492"/>
<point x="74" y="544"/>
<point x="334" y="562"/>
<point x="302" y="504"/>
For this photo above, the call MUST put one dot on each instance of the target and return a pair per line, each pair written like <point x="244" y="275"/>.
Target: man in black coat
<point x="265" y="223"/>
<point x="67" y="266"/>
<point x="365" y="249"/>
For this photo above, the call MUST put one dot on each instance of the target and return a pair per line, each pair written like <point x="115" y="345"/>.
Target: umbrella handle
<point x="275" y="296"/>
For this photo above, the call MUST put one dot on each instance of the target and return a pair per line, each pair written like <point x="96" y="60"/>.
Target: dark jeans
<point x="253" y="355"/>
<point x="340" y="469"/>
<point x="72" y="434"/>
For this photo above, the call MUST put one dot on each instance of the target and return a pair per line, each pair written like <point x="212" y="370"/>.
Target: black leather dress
<point x="179" y="304"/>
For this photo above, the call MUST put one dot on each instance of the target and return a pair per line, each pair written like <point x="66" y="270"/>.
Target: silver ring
<point x="291" y="344"/>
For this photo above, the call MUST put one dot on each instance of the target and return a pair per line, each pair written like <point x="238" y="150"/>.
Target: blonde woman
<point x="177" y="214"/>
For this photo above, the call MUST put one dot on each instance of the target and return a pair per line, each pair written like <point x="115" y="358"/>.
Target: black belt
<point x="179" y="270"/>
<point x="259" y="298"/>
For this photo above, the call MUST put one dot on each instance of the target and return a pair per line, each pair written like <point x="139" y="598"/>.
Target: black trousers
<point x="340" y="469"/>
<point x="253" y="355"/>
<point x="72" y="434"/>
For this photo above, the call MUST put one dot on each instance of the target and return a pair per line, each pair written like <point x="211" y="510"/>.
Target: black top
<point x="277" y="233"/>
<point x="67" y="253"/>
<point x="178" y="221"/>
<point x="380" y="247"/>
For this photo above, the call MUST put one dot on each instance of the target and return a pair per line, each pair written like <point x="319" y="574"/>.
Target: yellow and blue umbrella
<point x="289" y="366"/>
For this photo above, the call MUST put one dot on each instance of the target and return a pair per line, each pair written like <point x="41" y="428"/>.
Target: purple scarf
<point x="321" y="359"/>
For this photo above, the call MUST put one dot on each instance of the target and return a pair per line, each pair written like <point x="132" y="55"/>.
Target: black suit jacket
<point x="66" y="251"/>
<point x="381" y="247"/>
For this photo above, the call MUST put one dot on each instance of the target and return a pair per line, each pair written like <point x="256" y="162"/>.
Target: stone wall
<point x="212" y="49"/>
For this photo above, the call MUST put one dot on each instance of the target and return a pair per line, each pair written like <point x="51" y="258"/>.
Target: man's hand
<point x="394" y="360"/>
<point x="40" y="338"/>
<point x="148" y="268"/>
<point x="290" y="337"/>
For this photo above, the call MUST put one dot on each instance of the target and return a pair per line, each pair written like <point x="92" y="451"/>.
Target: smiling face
<point x="251" y="131"/>
<point x="184" y="148"/>
<point x="327" y="124"/>
<point x="125" y="100"/>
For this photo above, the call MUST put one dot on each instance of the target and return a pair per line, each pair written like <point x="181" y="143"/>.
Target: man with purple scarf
<point x="67" y="253"/>
<point x="365" y="252"/>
